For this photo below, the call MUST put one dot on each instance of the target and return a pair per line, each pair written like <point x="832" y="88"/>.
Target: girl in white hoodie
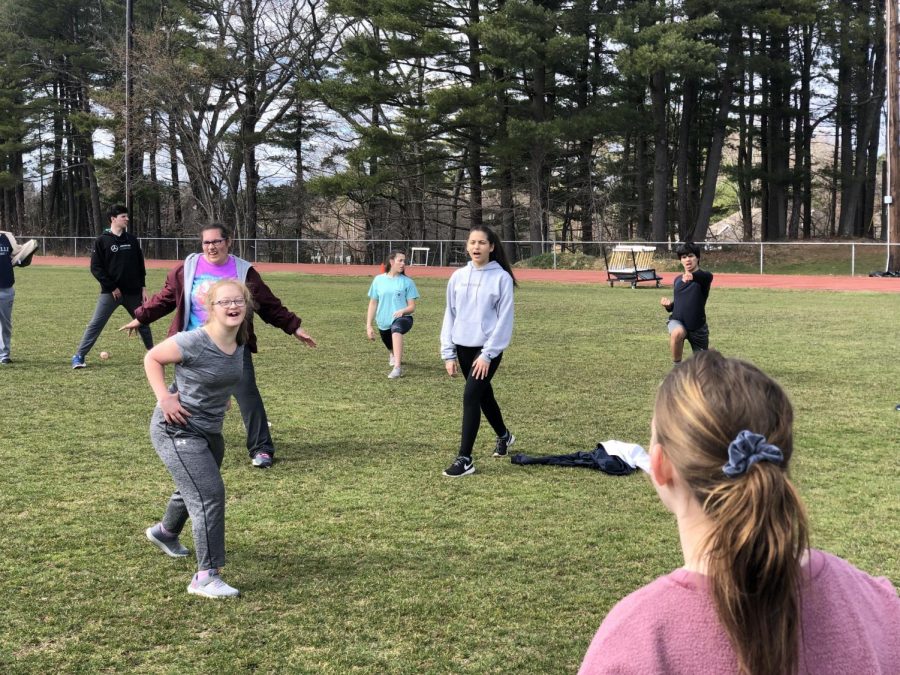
<point x="477" y="327"/>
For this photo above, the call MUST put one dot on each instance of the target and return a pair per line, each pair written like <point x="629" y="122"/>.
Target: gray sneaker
<point x="167" y="544"/>
<point x="212" y="587"/>
<point x="262" y="460"/>
<point x="395" y="373"/>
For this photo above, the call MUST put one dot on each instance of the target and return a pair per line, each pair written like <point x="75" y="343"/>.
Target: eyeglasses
<point x="236" y="302"/>
<point x="214" y="242"/>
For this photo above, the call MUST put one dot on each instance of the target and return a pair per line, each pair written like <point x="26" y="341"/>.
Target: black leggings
<point x="478" y="398"/>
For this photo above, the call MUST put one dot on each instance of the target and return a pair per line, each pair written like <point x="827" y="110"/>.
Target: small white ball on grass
<point x="104" y="355"/>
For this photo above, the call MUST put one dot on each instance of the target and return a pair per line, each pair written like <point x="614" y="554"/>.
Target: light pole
<point x="892" y="194"/>
<point x="129" y="33"/>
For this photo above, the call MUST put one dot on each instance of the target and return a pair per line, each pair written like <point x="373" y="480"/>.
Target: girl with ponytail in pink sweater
<point x="752" y="597"/>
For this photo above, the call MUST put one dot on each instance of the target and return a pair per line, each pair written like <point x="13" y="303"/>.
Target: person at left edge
<point x="184" y="292"/>
<point x="11" y="255"/>
<point x="118" y="264"/>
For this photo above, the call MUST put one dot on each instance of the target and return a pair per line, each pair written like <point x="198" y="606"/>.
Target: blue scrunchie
<point x="746" y="450"/>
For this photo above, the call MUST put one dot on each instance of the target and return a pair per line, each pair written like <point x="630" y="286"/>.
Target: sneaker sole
<point x="80" y="365"/>
<point x="161" y="545"/>
<point x="200" y="592"/>
<point x="261" y="465"/>
<point x="468" y="472"/>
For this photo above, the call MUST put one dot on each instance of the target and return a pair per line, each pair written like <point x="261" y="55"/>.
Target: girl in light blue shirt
<point x="392" y="301"/>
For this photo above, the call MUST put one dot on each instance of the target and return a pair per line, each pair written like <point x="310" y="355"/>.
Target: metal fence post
<point x="760" y="257"/>
<point x="553" y="248"/>
<point x="853" y="260"/>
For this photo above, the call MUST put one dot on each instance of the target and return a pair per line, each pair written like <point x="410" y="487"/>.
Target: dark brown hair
<point x="759" y="534"/>
<point x="393" y="254"/>
<point x="499" y="253"/>
<point x="221" y="227"/>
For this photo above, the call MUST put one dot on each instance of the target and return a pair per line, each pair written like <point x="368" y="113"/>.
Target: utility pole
<point x="892" y="142"/>
<point x="129" y="90"/>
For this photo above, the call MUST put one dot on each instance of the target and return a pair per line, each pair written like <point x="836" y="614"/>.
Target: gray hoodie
<point x="479" y="311"/>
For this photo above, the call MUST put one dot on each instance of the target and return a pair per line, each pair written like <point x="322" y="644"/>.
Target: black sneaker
<point x="462" y="466"/>
<point x="503" y="445"/>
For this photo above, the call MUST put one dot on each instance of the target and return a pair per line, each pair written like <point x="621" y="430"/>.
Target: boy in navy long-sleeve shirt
<point x="688" y="307"/>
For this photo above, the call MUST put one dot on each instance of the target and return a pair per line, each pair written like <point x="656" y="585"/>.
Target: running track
<point x="794" y="282"/>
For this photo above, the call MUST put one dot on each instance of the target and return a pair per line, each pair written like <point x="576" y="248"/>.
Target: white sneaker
<point x="391" y="360"/>
<point x="212" y="587"/>
<point x="395" y="373"/>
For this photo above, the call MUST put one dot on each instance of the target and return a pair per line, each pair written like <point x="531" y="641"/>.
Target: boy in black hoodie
<point x="118" y="264"/>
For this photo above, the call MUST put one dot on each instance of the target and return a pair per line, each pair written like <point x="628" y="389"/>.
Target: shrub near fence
<point x="824" y="257"/>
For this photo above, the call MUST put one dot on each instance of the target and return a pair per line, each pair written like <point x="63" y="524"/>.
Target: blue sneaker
<point x="78" y="362"/>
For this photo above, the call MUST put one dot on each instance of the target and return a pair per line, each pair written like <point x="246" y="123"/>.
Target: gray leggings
<point x="193" y="457"/>
<point x="7" y="295"/>
<point x="106" y="305"/>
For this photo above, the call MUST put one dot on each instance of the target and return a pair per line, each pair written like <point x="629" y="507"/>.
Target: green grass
<point x="354" y="554"/>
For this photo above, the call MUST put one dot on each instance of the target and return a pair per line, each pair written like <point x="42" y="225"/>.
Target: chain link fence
<point x="833" y="257"/>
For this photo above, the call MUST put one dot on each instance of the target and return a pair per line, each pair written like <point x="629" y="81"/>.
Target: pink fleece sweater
<point x="850" y="624"/>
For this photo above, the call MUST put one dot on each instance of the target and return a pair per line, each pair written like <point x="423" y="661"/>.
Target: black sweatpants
<point x="478" y="397"/>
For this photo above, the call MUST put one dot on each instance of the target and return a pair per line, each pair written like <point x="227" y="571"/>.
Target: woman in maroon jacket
<point x="183" y="293"/>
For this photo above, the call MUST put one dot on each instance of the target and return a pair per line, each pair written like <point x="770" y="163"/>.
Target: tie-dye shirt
<point x="206" y="275"/>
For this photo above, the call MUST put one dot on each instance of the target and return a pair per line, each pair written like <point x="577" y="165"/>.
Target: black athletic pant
<point x="478" y="398"/>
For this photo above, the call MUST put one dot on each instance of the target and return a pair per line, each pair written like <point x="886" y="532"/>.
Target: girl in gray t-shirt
<point x="186" y="429"/>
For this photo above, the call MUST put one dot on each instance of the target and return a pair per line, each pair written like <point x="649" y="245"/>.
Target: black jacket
<point x="117" y="262"/>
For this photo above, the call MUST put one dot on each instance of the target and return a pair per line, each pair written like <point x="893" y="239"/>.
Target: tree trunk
<point x="537" y="155"/>
<point x="682" y="161"/>
<point x="508" y="214"/>
<point x="176" y="184"/>
<point x="641" y="183"/>
<point x="714" y="154"/>
<point x="659" y="100"/>
<point x="476" y="141"/>
<point x="249" y="118"/>
<point x="155" y="224"/>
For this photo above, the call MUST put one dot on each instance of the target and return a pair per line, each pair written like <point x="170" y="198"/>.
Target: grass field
<point x="353" y="553"/>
